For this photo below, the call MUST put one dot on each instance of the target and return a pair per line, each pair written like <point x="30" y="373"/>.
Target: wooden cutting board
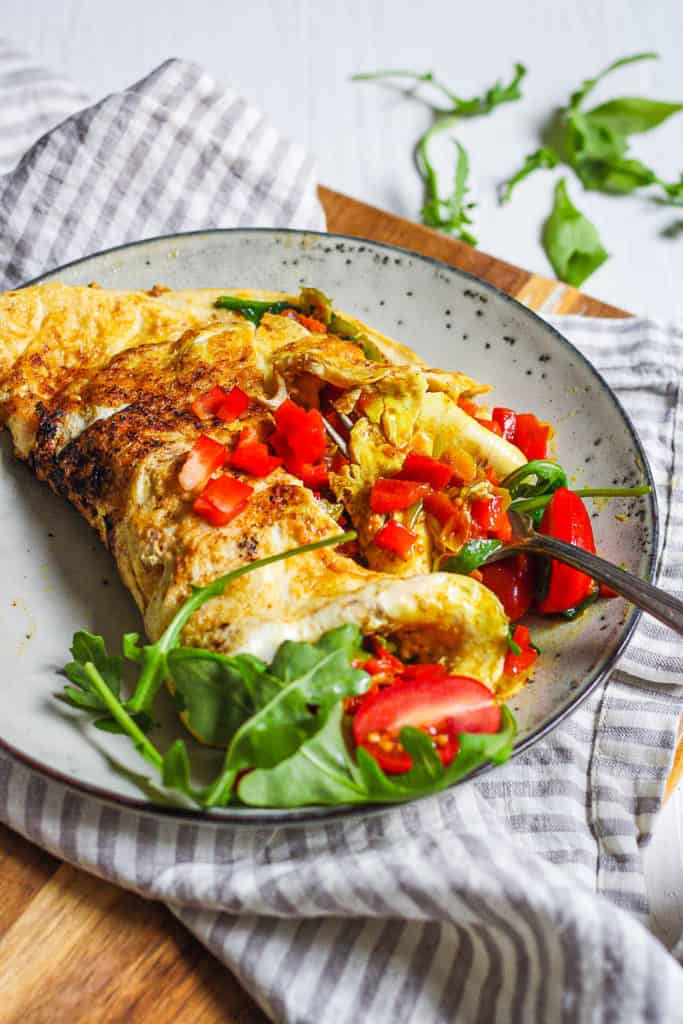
<point x="76" y="950"/>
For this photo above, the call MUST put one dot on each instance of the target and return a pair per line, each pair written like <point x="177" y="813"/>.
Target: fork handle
<point x="665" y="607"/>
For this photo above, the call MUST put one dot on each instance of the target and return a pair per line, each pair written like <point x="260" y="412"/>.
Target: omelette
<point x="105" y="395"/>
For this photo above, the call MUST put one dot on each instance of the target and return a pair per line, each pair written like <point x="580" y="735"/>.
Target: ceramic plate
<point x="56" y="578"/>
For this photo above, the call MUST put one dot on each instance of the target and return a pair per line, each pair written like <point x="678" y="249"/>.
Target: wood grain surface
<point x="76" y="950"/>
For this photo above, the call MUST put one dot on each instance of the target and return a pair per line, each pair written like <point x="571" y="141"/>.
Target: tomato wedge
<point x="512" y="581"/>
<point x="426" y="470"/>
<point x="396" y="538"/>
<point x="204" y="459"/>
<point x="442" y="707"/>
<point x="222" y="499"/>
<point x="566" y="518"/>
<point x="392" y="495"/>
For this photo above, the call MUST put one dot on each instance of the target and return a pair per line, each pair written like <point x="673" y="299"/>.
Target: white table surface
<point x="293" y="59"/>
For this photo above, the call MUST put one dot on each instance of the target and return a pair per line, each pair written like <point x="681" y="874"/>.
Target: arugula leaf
<point x="471" y="555"/>
<point x="87" y="647"/>
<point x="571" y="241"/>
<point x="323" y="772"/>
<point x="587" y="86"/>
<point x="450" y="213"/>
<point x="631" y="115"/>
<point x="217" y="693"/>
<point x="544" y="157"/>
<point x="314" y="677"/>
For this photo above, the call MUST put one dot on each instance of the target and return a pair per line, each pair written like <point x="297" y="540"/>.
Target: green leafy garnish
<point x="471" y="555"/>
<point x="571" y="241"/>
<point x="513" y="646"/>
<point x="543" y="157"/>
<point x="449" y="212"/>
<point x="323" y="771"/>
<point x="343" y="328"/>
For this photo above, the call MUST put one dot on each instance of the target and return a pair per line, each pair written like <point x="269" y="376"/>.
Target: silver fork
<point x="656" y="602"/>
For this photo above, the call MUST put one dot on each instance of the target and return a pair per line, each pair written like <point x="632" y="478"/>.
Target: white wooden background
<point x="293" y="59"/>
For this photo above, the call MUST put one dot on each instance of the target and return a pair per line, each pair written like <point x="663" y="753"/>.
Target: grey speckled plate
<point x="56" y="578"/>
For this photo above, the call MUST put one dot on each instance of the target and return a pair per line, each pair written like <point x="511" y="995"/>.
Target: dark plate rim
<point x="253" y="817"/>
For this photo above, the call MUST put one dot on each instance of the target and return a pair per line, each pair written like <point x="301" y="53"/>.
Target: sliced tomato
<point x="222" y="499"/>
<point x="309" y="322"/>
<point x="490" y="515"/>
<point x="441" y="507"/>
<point x="253" y="456"/>
<point x="443" y="707"/>
<point x="204" y="459"/>
<point x="236" y="402"/>
<point x="392" y="495"/>
<point x="567" y="519"/>
<point x="396" y="538"/>
<point x="207" y="405"/>
<point x="512" y="581"/>
<point x="425" y="469"/>
<point x="516" y="663"/>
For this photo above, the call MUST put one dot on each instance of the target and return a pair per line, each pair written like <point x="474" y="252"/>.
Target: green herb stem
<point x="120" y="715"/>
<point x="533" y="504"/>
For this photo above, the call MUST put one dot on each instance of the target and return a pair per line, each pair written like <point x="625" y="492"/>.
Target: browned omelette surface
<point x="96" y="389"/>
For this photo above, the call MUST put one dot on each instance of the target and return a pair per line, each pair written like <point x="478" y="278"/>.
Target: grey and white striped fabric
<point x="516" y="898"/>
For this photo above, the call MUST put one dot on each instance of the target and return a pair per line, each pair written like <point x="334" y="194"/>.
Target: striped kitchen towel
<point x="519" y="897"/>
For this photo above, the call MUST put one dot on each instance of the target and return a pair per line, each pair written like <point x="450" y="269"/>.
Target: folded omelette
<point x="97" y="389"/>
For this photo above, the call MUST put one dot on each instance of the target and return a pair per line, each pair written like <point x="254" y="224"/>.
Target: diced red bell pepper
<point x="425" y="469"/>
<point x="516" y="663"/>
<point x="396" y="538"/>
<point x="314" y="476"/>
<point x="524" y="430"/>
<point x="507" y="421"/>
<point x="392" y="495"/>
<point x="468" y="406"/>
<point x="338" y="462"/>
<point x="566" y="518"/>
<point x="512" y="581"/>
<point x="253" y="456"/>
<point x="441" y="507"/>
<point x="309" y="322"/>
<point x="532" y="436"/>
<point x="236" y="402"/>
<point x="222" y="499"/>
<point x="204" y="459"/>
<point x="490" y="516"/>
<point x="491" y="425"/>
<point x="208" y="404"/>
<point x="299" y="436"/>
<point x="384" y="663"/>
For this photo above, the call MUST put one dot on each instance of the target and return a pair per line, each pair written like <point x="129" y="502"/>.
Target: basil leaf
<point x="218" y="692"/>
<point x="571" y="241"/>
<point x="471" y="555"/>
<point x="631" y="115"/>
<point x="544" y="157"/>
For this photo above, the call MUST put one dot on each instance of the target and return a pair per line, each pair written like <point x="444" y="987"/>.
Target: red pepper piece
<point x="236" y="402"/>
<point x="507" y="421"/>
<point x="299" y="438"/>
<point x="396" y="538"/>
<point x="253" y="456"/>
<point x="490" y="516"/>
<point x="566" y="518"/>
<point x="204" y="459"/>
<point x="531" y="436"/>
<point x="309" y="322"/>
<point x="392" y="495"/>
<point x="222" y="499"/>
<point x="441" y="507"/>
<point x="208" y="404"/>
<point x="316" y="477"/>
<point x="425" y="469"/>
<point x="516" y="663"/>
<point x="491" y="425"/>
